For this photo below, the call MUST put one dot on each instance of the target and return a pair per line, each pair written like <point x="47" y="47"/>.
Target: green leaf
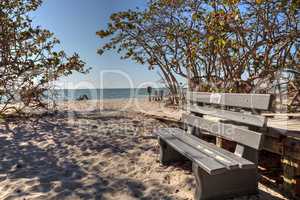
<point x="211" y="38"/>
<point x="221" y="42"/>
<point x="195" y="17"/>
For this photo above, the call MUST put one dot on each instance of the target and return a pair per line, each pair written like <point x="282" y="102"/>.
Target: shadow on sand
<point x="39" y="156"/>
<point x="30" y="164"/>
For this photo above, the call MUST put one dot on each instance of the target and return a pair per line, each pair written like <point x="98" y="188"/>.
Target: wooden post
<point x="289" y="149"/>
<point x="225" y="144"/>
<point x="291" y="167"/>
<point x="291" y="175"/>
<point x="219" y="142"/>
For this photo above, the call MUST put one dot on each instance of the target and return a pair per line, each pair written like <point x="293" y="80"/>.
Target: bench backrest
<point x="237" y="114"/>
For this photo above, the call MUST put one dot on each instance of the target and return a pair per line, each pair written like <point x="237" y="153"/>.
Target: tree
<point x="224" y="46"/>
<point x="148" y="37"/>
<point x="253" y="41"/>
<point x="30" y="59"/>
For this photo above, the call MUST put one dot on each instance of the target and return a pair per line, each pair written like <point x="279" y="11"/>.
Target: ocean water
<point x="98" y="94"/>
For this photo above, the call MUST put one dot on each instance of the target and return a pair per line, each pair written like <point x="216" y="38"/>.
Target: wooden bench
<point x="219" y="173"/>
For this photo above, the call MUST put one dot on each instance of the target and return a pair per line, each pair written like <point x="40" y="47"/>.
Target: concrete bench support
<point x="226" y="185"/>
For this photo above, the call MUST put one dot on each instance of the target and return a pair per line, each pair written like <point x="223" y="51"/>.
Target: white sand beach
<point x="84" y="154"/>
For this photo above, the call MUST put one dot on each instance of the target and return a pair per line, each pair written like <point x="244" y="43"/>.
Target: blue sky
<point x="75" y="23"/>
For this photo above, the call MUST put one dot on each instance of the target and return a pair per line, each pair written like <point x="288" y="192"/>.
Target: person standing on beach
<point x="149" y="90"/>
<point x="161" y="95"/>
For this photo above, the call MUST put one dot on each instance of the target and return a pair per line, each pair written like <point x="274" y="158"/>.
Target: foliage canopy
<point x="30" y="59"/>
<point x="220" y="45"/>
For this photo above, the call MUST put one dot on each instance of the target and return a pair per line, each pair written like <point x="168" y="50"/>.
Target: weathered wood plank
<point x="287" y="115"/>
<point x="288" y="146"/>
<point x="208" y="164"/>
<point x="273" y="144"/>
<point x="292" y="148"/>
<point x="212" y="150"/>
<point x="255" y="120"/>
<point x="228" y="131"/>
<point x="250" y="101"/>
<point x="214" y="153"/>
<point x="291" y="174"/>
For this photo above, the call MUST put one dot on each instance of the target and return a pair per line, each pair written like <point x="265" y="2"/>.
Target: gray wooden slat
<point x="228" y="131"/>
<point x="181" y="135"/>
<point x="219" y="157"/>
<point x="251" y="101"/>
<point x="255" y="120"/>
<point x="208" y="164"/>
<point x="216" y="152"/>
<point x="211" y="149"/>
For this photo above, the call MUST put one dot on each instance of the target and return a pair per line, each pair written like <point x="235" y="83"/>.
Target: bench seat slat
<point x="228" y="131"/>
<point x="216" y="152"/>
<point x="210" y="165"/>
<point x="204" y="149"/>
<point x="255" y="120"/>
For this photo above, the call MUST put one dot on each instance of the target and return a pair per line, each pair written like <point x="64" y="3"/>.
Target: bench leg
<point x="168" y="154"/>
<point x="230" y="184"/>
